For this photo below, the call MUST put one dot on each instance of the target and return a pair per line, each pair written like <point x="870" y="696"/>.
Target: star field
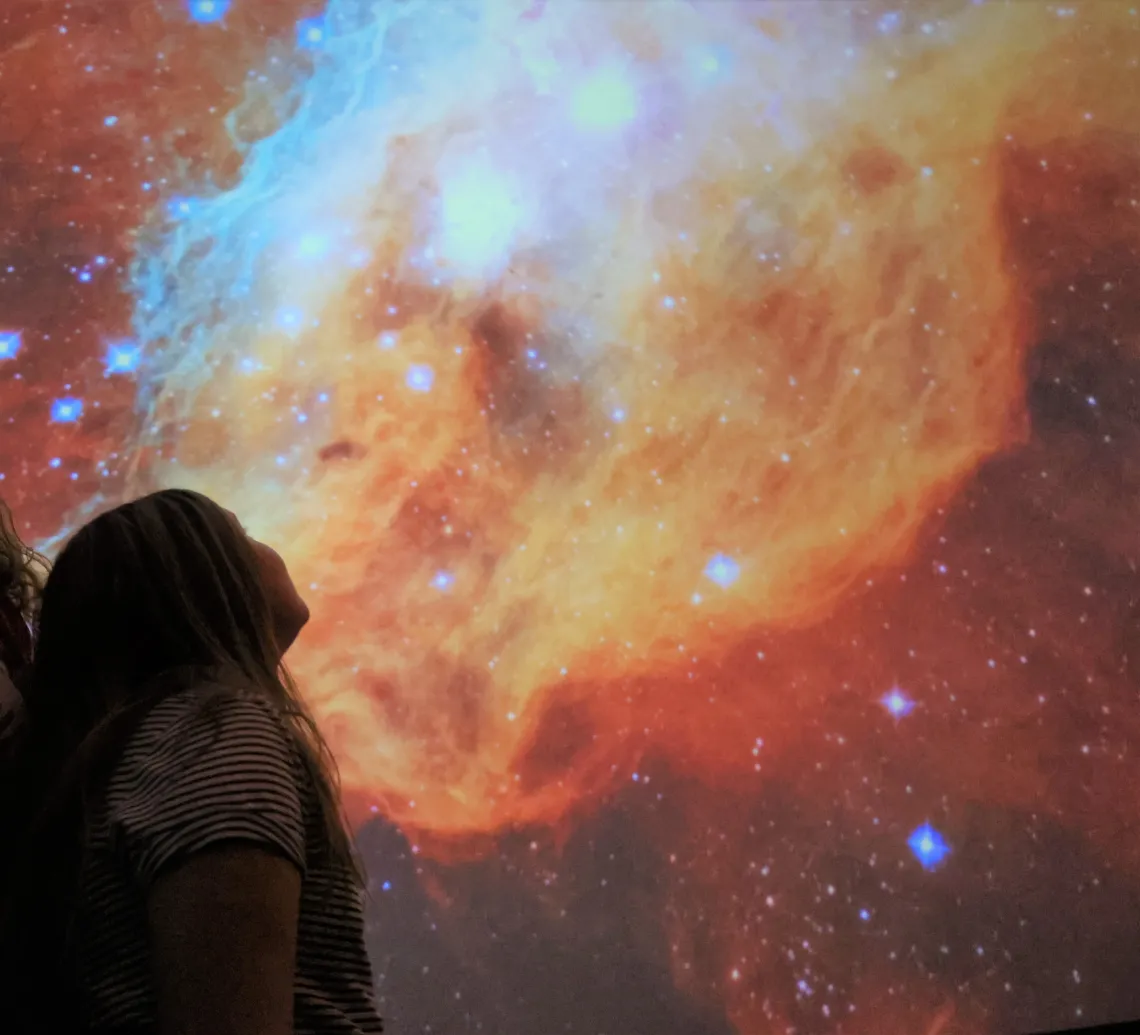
<point x="707" y="436"/>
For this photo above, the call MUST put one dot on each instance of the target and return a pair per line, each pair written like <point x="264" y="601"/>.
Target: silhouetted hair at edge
<point x="22" y="573"/>
<point x="146" y="596"/>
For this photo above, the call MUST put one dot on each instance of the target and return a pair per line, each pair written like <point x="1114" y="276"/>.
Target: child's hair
<point x="163" y="585"/>
<point x="22" y="575"/>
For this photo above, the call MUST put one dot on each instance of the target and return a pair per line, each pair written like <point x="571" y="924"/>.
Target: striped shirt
<point x="193" y="777"/>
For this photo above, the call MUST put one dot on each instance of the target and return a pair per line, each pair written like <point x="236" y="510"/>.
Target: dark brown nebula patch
<point x="875" y="168"/>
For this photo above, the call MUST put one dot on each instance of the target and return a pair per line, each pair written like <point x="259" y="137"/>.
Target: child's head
<point x="22" y="573"/>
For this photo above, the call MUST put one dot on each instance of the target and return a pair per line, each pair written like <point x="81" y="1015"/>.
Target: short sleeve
<point x="198" y="774"/>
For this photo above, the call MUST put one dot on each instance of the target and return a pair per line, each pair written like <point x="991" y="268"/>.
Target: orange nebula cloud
<point x="789" y="348"/>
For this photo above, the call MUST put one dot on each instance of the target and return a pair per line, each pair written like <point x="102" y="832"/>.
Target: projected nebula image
<point x="707" y="435"/>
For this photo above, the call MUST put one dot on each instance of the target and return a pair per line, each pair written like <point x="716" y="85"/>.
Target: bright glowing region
<point x="722" y="570"/>
<point x="290" y="319"/>
<point x="890" y="21"/>
<point x="480" y="218"/>
<point x="311" y="33"/>
<point x="10" y="343"/>
<point x="207" y="12"/>
<point x="929" y="846"/>
<point x="709" y="62"/>
<point x="607" y="100"/>
<point x="67" y="410"/>
<point x="897" y="703"/>
<point x="122" y="358"/>
<point x="181" y="208"/>
<point x="420" y="377"/>
<point x="443" y="580"/>
<point x="312" y="246"/>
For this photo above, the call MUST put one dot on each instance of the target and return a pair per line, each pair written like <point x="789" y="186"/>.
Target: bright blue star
<point x="897" y="703"/>
<point x="206" y="12"/>
<point x="420" y="377"/>
<point x="618" y="415"/>
<point x="10" y="344"/>
<point x="388" y="340"/>
<point x="181" y="208"/>
<point x="443" y="580"/>
<point x="67" y="410"/>
<point x="723" y="570"/>
<point x="670" y="302"/>
<point x="110" y="120"/>
<point x="290" y="319"/>
<point x="386" y="886"/>
<point x="122" y="358"/>
<point x="929" y="846"/>
<point x="84" y="276"/>
<point x="311" y="33"/>
<point x="889" y="22"/>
